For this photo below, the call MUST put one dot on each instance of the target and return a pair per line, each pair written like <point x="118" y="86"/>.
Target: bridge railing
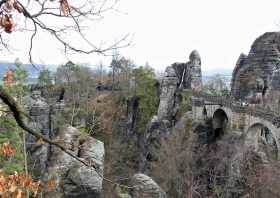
<point x="236" y="106"/>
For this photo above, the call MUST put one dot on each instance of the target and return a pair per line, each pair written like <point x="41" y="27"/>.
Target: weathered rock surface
<point x="39" y="120"/>
<point x="189" y="74"/>
<point x="252" y="74"/>
<point x="167" y="96"/>
<point x="72" y="178"/>
<point x="195" y="70"/>
<point x="177" y="77"/>
<point x="272" y="98"/>
<point x="145" y="187"/>
<point x="132" y="109"/>
<point x="151" y="142"/>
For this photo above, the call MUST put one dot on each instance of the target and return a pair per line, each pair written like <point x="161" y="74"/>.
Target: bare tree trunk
<point x="113" y="84"/>
<point x="24" y="153"/>
<point x="73" y="114"/>
<point x="25" y="157"/>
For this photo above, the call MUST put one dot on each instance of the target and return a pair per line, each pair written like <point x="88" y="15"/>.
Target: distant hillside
<point x="32" y="71"/>
<point x="226" y="73"/>
<point x="212" y="72"/>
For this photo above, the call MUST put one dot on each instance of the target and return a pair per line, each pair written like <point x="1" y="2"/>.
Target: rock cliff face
<point x="72" y="178"/>
<point x="273" y="94"/>
<point x="39" y="119"/>
<point x="252" y="74"/>
<point x="189" y="74"/>
<point x="167" y="96"/>
<point x="177" y="77"/>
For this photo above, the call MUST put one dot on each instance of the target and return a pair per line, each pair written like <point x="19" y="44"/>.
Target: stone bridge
<point x="258" y="126"/>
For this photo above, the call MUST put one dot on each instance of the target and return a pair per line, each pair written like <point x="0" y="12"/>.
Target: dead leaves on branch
<point x="6" y="22"/>
<point x="18" y="7"/>
<point x="7" y="149"/>
<point x="7" y="8"/>
<point x="6" y="19"/>
<point x="50" y="184"/>
<point x="16" y="185"/>
<point x="65" y="8"/>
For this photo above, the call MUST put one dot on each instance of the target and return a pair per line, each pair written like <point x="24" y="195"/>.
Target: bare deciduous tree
<point x="65" y="20"/>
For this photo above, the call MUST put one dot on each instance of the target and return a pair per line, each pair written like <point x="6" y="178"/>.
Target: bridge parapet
<point x="226" y="101"/>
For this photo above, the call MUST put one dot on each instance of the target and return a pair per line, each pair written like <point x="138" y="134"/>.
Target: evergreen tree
<point x="145" y="89"/>
<point x="20" y="74"/>
<point x="45" y="77"/>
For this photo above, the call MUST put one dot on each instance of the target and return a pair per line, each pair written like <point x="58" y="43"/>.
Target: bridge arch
<point x="219" y="122"/>
<point x="262" y="140"/>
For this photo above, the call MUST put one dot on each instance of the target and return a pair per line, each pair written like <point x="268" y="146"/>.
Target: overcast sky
<point x="166" y="31"/>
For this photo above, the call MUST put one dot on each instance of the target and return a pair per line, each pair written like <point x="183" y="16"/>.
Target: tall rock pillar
<point x="195" y="67"/>
<point x="167" y="99"/>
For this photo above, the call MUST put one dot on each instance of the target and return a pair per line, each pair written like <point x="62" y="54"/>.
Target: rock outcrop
<point x="145" y="187"/>
<point x="272" y="98"/>
<point x="195" y="70"/>
<point x="150" y="142"/>
<point x="167" y="96"/>
<point x="177" y="77"/>
<point x="252" y="74"/>
<point x="72" y="178"/>
<point x="132" y="109"/>
<point x="39" y="120"/>
<point x="189" y="74"/>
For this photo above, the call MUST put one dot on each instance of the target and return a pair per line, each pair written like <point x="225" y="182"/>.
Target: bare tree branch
<point x="64" y="24"/>
<point x="19" y="117"/>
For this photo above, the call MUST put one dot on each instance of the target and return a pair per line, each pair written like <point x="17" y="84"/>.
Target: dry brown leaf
<point x="8" y="6"/>
<point x="17" y="194"/>
<point x="7" y="149"/>
<point x="13" y="187"/>
<point x="7" y="23"/>
<point x="65" y="8"/>
<point x="35" y="188"/>
<point x="50" y="184"/>
<point x="18" y="7"/>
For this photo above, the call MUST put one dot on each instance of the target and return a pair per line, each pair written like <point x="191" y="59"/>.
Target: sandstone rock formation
<point x="177" y="77"/>
<point x="195" y="71"/>
<point x="273" y="94"/>
<point x="38" y="119"/>
<point x="132" y="108"/>
<point x="145" y="187"/>
<point x="150" y="142"/>
<point x="252" y="74"/>
<point x="167" y="96"/>
<point x="189" y="74"/>
<point x="72" y="178"/>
